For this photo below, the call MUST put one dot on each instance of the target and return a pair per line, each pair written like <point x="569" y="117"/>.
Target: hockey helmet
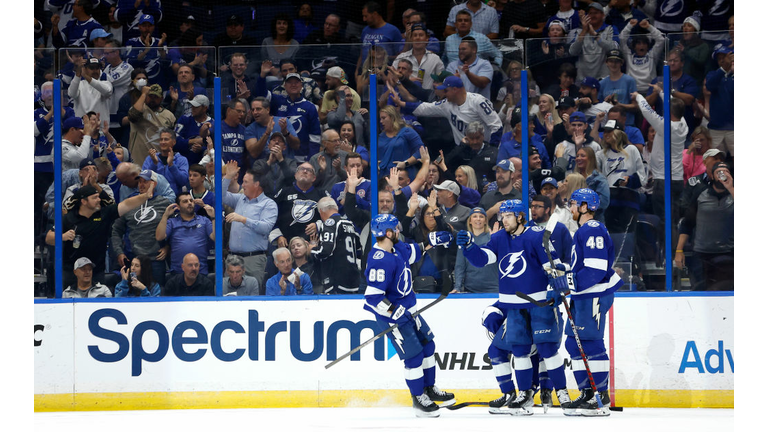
<point x="586" y="195"/>
<point x="382" y="223"/>
<point x="512" y="206"/>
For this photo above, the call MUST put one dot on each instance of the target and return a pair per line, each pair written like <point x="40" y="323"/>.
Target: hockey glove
<point x="555" y="296"/>
<point x="563" y="284"/>
<point x="440" y="238"/>
<point x="401" y="316"/>
<point x="492" y="318"/>
<point x="464" y="239"/>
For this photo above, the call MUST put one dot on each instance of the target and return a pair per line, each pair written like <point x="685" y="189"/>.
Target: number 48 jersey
<point x="592" y="257"/>
<point x="338" y="253"/>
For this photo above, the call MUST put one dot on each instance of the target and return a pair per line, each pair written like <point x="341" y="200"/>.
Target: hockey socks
<point x="414" y="375"/>
<point x="502" y="369"/>
<point x="428" y="364"/>
<point x="524" y="373"/>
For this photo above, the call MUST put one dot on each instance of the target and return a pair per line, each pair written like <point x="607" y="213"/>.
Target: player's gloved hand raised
<point x="440" y="238"/>
<point x="464" y="239"/>
<point x="401" y="315"/>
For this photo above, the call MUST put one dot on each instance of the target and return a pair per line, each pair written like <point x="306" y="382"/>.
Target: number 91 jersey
<point x="592" y="258"/>
<point x="389" y="277"/>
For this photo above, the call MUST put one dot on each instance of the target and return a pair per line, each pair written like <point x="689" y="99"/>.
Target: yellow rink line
<point x="341" y="398"/>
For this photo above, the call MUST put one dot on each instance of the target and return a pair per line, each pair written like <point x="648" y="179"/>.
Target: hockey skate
<point x="546" y="399"/>
<point x="570" y="408"/>
<point x="521" y="406"/>
<point x="424" y="406"/>
<point x="501" y="405"/>
<point x="444" y="398"/>
<point x="563" y="397"/>
<point x="589" y="408"/>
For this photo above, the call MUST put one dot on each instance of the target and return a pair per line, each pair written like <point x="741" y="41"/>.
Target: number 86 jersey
<point x="389" y="278"/>
<point x="592" y="258"/>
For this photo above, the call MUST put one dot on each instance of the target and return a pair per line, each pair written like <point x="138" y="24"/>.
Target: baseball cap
<point x="478" y="210"/>
<point x="451" y="82"/>
<point x="200" y="100"/>
<point x="566" y="102"/>
<point x="99" y="33"/>
<point x="292" y="75"/>
<point x="711" y="152"/>
<point x="591" y="82"/>
<point x="596" y="5"/>
<point x="86" y="162"/>
<point x="612" y="124"/>
<point x="337" y="72"/>
<point x="506" y="165"/>
<point x="721" y="49"/>
<point x="614" y="54"/>
<point x="449" y="185"/>
<point x="148" y="175"/>
<point x="188" y="19"/>
<point x="93" y="61"/>
<point x="274" y="134"/>
<point x="72" y="122"/>
<point x="156" y="90"/>
<point x="234" y="20"/>
<point x="418" y="26"/>
<point x="532" y="150"/>
<point x="557" y="23"/>
<point x="578" y="116"/>
<point x="549" y="181"/>
<point x="84" y="192"/>
<point x="441" y="77"/>
<point x="81" y="262"/>
<point x="147" y="18"/>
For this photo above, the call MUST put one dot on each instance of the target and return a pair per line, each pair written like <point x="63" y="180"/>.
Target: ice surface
<point x="382" y="419"/>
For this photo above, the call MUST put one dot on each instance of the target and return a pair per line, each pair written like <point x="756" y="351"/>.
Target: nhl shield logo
<point x="303" y="211"/>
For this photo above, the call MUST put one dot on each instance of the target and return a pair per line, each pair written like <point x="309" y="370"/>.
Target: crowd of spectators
<point x="138" y="129"/>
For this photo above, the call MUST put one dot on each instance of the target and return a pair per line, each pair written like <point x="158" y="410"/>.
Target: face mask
<point x="141" y="82"/>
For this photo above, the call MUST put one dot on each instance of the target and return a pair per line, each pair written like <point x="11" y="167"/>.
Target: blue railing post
<point x="668" y="254"/>
<point x="59" y="253"/>
<point x="524" y="126"/>
<point x="219" y="190"/>
<point x="373" y="121"/>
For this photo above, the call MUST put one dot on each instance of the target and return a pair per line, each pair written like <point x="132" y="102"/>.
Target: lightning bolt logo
<point x="596" y="311"/>
<point x="511" y="260"/>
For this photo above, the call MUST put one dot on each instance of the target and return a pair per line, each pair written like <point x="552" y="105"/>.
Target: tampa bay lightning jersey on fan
<point x="389" y="276"/>
<point x="520" y="260"/>
<point x="297" y="209"/>
<point x="592" y="259"/>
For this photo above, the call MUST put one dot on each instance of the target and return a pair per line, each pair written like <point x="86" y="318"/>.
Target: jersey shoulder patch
<point x="378" y="255"/>
<point x="537" y="228"/>
<point x="440" y="102"/>
<point x="593" y="224"/>
<point x="693" y="181"/>
<point x="330" y="222"/>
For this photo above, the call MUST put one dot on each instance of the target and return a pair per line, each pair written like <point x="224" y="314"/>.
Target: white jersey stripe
<point x="597" y="288"/>
<point x="596" y="263"/>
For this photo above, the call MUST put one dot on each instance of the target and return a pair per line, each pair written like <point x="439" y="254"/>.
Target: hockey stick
<point x="446" y="289"/>
<point x="545" y="243"/>
<point x="464" y="405"/>
<point x="525" y="296"/>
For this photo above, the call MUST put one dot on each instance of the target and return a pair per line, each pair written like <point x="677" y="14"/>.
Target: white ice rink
<point x="382" y="419"/>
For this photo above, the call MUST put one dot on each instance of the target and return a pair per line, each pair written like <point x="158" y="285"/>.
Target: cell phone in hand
<point x="126" y="263"/>
<point x="439" y="160"/>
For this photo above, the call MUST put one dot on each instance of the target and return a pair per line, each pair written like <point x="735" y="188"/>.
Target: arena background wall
<point x="666" y="350"/>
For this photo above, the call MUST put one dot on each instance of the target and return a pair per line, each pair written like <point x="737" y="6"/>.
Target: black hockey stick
<point x="525" y="296"/>
<point x="446" y="289"/>
<point x="464" y="405"/>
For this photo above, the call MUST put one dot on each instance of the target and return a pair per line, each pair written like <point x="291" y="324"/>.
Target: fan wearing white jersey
<point x="460" y="108"/>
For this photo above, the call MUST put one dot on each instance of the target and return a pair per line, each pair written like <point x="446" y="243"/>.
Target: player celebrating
<point x="390" y="297"/>
<point x="591" y="282"/>
<point x="522" y="258"/>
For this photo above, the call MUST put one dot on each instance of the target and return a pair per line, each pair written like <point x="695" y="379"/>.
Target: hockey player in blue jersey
<point x="390" y="297"/>
<point x="517" y="323"/>
<point x="591" y="282"/>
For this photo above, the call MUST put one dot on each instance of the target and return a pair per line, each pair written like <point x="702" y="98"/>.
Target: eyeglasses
<point x="537" y="206"/>
<point x="309" y="170"/>
<point x="337" y="140"/>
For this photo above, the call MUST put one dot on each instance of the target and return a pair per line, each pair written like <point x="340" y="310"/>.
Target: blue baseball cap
<point x="721" y="49"/>
<point x="99" y="33"/>
<point x="577" y="116"/>
<point x="147" y="18"/>
<point x="478" y="210"/>
<point x="72" y="122"/>
<point x="549" y="181"/>
<point x="451" y="81"/>
<point x="506" y="165"/>
<point x="591" y="82"/>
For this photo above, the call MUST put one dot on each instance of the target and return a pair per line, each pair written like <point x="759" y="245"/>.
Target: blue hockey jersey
<point x="592" y="259"/>
<point x="362" y="194"/>
<point x="389" y="276"/>
<point x="520" y="265"/>
<point x="302" y="115"/>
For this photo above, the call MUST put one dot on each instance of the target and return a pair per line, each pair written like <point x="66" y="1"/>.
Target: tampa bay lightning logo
<point x="303" y="211"/>
<point x="405" y="283"/>
<point x="671" y="7"/>
<point x="512" y="265"/>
